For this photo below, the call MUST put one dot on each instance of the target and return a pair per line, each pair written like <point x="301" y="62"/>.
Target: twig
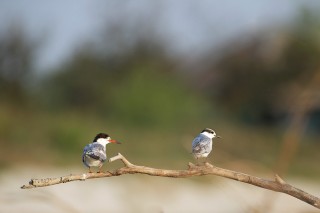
<point x="278" y="185"/>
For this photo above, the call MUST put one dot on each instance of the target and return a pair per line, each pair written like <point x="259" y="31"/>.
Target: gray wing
<point x="95" y="151"/>
<point x="200" y="144"/>
<point x="85" y="150"/>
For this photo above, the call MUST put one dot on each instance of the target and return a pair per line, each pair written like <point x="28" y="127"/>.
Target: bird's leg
<point x="198" y="164"/>
<point x="204" y="160"/>
<point x="100" y="169"/>
<point x="201" y="161"/>
<point x="90" y="170"/>
<point x="207" y="162"/>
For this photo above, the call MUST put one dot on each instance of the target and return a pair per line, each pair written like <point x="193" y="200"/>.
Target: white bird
<point x="202" y="144"/>
<point x="94" y="154"/>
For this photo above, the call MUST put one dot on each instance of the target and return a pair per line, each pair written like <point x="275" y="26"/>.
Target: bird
<point x="202" y="144"/>
<point x="94" y="154"/>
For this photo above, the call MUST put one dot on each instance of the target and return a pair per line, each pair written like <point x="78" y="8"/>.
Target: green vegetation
<point x="142" y="98"/>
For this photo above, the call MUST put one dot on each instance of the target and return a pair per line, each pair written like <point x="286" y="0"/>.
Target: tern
<point x="94" y="154"/>
<point x="202" y="144"/>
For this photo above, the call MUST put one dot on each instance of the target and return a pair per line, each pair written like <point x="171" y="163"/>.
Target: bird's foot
<point x="200" y="164"/>
<point x="100" y="170"/>
<point x="191" y="165"/>
<point x="207" y="164"/>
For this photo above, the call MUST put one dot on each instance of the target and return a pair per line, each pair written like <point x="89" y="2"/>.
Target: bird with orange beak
<point x="94" y="154"/>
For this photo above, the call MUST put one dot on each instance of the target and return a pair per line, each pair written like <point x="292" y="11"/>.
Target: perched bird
<point x="94" y="154"/>
<point x="202" y="144"/>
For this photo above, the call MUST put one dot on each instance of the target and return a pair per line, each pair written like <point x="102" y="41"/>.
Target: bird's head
<point x="104" y="139"/>
<point x="210" y="133"/>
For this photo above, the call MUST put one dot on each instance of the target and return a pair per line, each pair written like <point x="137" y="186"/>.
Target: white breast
<point x="92" y="162"/>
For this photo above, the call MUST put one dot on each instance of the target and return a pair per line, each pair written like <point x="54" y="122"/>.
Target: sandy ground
<point x="139" y="193"/>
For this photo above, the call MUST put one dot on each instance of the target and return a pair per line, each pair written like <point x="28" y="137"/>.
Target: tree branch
<point x="278" y="184"/>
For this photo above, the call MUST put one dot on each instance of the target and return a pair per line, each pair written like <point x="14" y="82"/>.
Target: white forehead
<point x="209" y="134"/>
<point x="103" y="140"/>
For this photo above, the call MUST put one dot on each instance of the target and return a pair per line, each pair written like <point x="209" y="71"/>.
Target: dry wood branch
<point x="278" y="184"/>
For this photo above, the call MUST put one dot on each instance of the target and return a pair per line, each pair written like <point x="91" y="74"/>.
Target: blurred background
<point x="153" y="75"/>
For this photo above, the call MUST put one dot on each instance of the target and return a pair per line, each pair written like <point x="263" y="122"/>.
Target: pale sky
<point x="188" y="25"/>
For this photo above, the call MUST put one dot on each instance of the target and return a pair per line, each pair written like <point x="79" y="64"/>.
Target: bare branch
<point x="278" y="184"/>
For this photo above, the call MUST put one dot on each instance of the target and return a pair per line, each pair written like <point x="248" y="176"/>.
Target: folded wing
<point x="94" y="151"/>
<point x="200" y="144"/>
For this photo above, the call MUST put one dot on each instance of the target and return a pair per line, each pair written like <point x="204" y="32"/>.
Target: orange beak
<point x="114" y="141"/>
